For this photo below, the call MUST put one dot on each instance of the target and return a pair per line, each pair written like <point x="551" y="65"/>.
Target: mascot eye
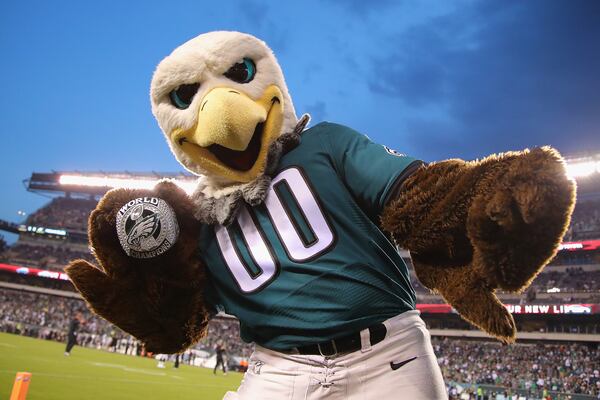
<point x="183" y="95"/>
<point x="242" y="72"/>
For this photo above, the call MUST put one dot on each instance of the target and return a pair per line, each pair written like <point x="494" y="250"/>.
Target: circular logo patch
<point x="147" y="227"/>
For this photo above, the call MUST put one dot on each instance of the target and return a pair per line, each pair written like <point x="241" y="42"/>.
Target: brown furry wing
<point x="473" y="227"/>
<point x="158" y="300"/>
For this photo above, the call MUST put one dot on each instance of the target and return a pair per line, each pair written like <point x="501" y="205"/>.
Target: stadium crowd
<point x="3" y="244"/>
<point x="72" y="213"/>
<point x="47" y="317"/>
<point x="533" y="368"/>
<point x="63" y="212"/>
<point x="585" y="222"/>
<point x="530" y="368"/>
<point x="43" y="255"/>
<point x="574" y="279"/>
<point x="228" y="332"/>
<point x="582" y="285"/>
<point x="577" y="258"/>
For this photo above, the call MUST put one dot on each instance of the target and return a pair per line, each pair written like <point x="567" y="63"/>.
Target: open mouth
<point x="240" y="160"/>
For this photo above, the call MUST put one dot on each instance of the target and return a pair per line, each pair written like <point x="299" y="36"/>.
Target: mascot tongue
<point x="240" y="160"/>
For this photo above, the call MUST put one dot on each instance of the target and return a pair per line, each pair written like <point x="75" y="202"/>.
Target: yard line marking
<point x="128" y="369"/>
<point x="99" y="378"/>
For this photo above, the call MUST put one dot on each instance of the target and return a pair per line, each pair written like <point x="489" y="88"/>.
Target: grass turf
<point x="94" y="374"/>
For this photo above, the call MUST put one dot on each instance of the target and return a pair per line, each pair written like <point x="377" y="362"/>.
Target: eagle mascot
<point x="295" y="231"/>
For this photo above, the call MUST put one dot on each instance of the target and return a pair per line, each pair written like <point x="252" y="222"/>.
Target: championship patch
<point x="147" y="227"/>
<point x="393" y="152"/>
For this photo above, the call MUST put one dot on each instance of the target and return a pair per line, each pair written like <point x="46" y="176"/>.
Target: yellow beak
<point x="233" y="132"/>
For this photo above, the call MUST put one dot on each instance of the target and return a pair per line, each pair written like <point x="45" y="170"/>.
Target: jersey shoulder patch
<point x="394" y="152"/>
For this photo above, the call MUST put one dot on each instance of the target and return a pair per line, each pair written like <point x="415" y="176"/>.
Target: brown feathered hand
<point x="158" y="300"/>
<point x="474" y="227"/>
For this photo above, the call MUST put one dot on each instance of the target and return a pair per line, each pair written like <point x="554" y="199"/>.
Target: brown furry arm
<point x="158" y="300"/>
<point x="492" y="224"/>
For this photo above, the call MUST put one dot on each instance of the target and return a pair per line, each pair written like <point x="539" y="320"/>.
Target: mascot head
<point x="221" y="101"/>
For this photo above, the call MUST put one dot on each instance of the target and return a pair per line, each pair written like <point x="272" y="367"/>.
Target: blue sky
<point x="433" y="79"/>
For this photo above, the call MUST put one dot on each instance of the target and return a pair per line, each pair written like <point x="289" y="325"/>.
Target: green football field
<point x="94" y="374"/>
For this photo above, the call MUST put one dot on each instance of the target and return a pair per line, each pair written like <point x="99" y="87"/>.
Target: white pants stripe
<point x="365" y="374"/>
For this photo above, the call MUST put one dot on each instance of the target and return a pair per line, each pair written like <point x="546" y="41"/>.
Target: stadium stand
<point x="531" y="369"/>
<point x="46" y="316"/>
<point x="71" y="214"/>
<point x="42" y="255"/>
<point x="64" y="212"/>
<point x="228" y="331"/>
<point x="554" y="355"/>
<point x="585" y="222"/>
<point x="35" y="283"/>
<point x="523" y="368"/>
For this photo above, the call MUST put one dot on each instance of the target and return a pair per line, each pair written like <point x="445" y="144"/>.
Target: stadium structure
<point x="557" y="354"/>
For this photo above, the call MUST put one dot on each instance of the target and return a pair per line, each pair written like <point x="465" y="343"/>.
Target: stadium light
<point x="129" y="183"/>
<point x="578" y="169"/>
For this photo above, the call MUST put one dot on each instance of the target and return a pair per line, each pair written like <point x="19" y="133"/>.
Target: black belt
<point x="344" y="344"/>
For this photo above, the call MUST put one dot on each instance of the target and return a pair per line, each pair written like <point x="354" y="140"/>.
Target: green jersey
<point x="310" y="264"/>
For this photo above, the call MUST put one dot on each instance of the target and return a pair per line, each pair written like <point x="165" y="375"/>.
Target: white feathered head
<point x="221" y="100"/>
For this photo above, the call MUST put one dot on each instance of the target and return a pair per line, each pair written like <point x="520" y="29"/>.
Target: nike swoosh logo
<point x="395" y="366"/>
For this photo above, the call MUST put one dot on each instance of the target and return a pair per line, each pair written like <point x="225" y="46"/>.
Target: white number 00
<point x="258" y="249"/>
